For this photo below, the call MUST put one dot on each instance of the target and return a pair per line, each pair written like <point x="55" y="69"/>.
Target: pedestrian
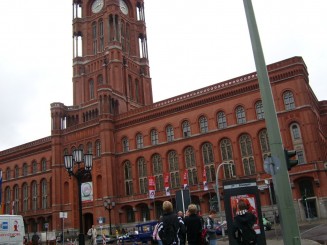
<point x="243" y="223"/>
<point x="94" y="235"/>
<point x="182" y="236"/>
<point x="193" y="226"/>
<point x="171" y="227"/>
<point x="104" y="239"/>
<point x="155" y="234"/>
<point x="35" y="239"/>
<point x="211" y="228"/>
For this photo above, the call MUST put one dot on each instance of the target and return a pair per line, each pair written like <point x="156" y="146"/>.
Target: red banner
<point x="152" y="189"/>
<point x="185" y="179"/>
<point x="166" y="183"/>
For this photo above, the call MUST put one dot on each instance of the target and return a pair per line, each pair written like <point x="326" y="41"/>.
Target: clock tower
<point x="110" y="55"/>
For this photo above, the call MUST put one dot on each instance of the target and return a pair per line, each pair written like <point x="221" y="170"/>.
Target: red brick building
<point x="131" y="138"/>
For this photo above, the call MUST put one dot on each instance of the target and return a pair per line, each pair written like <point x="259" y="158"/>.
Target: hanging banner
<point x="185" y="179"/>
<point x="166" y="179"/>
<point x="204" y="179"/>
<point x="152" y="191"/>
<point x="87" y="192"/>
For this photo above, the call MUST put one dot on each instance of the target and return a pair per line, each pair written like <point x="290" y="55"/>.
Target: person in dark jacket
<point x="169" y="218"/>
<point x="243" y="219"/>
<point x="182" y="236"/>
<point x="193" y="226"/>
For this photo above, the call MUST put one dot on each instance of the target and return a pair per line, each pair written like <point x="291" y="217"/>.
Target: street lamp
<point x="218" y="195"/>
<point x="109" y="205"/>
<point x="80" y="174"/>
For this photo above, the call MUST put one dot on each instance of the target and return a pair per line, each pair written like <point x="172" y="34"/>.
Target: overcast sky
<point x="192" y="44"/>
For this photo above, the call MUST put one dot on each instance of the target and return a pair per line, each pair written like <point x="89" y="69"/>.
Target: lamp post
<point x="218" y="195"/>
<point x="109" y="205"/>
<point x="70" y="161"/>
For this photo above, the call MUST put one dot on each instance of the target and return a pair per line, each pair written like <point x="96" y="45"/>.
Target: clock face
<point x="97" y="5"/>
<point x="123" y="7"/>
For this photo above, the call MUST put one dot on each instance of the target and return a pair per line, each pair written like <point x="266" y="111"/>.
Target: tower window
<point x="288" y="100"/>
<point x="94" y="36"/>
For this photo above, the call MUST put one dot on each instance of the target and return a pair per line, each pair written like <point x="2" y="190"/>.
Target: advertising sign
<point x="246" y="190"/>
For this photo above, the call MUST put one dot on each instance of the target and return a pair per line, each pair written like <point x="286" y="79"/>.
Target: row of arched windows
<point x="25" y="169"/>
<point x="203" y="123"/>
<point x="89" y="149"/>
<point x="174" y="167"/>
<point x="26" y="197"/>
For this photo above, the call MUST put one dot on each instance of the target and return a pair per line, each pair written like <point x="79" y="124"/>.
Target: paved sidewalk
<point x="276" y="242"/>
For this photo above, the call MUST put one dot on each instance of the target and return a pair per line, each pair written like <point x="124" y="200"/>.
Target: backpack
<point x="246" y="235"/>
<point x="168" y="233"/>
<point x="204" y="237"/>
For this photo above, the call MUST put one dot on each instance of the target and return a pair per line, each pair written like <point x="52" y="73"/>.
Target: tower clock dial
<point x="97" y="5"/>
<point x="123" y="7"/>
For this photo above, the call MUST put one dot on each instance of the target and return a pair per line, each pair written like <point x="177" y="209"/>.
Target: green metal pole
<point x="290" y="228"/>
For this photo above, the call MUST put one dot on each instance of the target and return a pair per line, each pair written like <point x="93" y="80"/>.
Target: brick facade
<point x="115" y="119"/>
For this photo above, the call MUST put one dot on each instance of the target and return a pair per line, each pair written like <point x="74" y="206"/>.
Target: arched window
<point x="247" y="154"/>
<point x="288" y="100"/>
<point x="34" y="167"/>
<point x="154" y="137"/>
<point x="208" y="161"/>
<point x="143" y="180"/>
<point x="295" y="131"/>
<point x="128" y="178"/>
<point x="25" y="169"/>
<point x="125" y="144"/>
<point x="221" y="120"/>
<point x="44" y="189"/>
<point x="157" y="171"/>
<point x="264" y="143"/>
<point x="8" y="175"/>
<point x="240" y="115"/>
<point x="139" y="141"/>
<point x="94" y="37"/>
<point x="189" y="157"/>
<point x="173" y="169"/>
<point x="227" y="156"/>
<point x="16" y="173"/>
<point x="101" y="36"/>
<point x="16" y="199"/>
<point x="203" y="122"/>
<point x="44" y="165"/>
<point x="34" y="196"/>
<point x="98" y="148"/>
<point x="7" y="200"/>
<point x="170" y="133"/>
<point x="25" y="197"/>
<point x="186" y="129"/>
<point x="259" y="110"/>
<point x="130" y="215"/>
<point x="190" y="165"/>
<point x="91" y="89"/>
